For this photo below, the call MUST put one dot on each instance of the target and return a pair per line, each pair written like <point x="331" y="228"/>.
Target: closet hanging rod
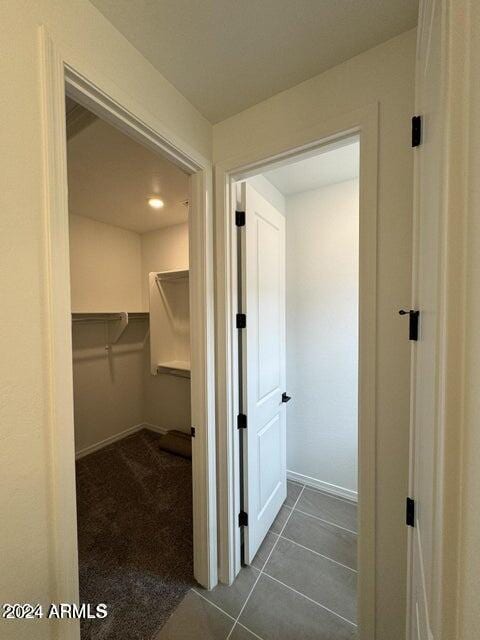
<point x="122" y="318"/>
<point x="107" y="317"/>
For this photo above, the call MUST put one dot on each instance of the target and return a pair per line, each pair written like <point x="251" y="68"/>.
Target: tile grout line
<point x="322" y="606"/>
<point x="247" y="629"/>
<point x="265" y="563"/>
<point x="354" y="503"/>
<point x="339" y="526"/>
<point x="235" y="622"/>
<point x="213" y="604"/>
<point x="262" y="571"/>
<point x="283" y="528"/>
<point x="319" y="554"/>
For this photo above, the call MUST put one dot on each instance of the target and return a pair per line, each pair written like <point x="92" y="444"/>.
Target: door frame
<point x="453" y="319"/>
<point x="61" y="72"/>
<point x="364" y="123"/>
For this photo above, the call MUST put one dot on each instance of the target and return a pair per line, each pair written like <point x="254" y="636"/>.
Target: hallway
<point x="301" y="586"/>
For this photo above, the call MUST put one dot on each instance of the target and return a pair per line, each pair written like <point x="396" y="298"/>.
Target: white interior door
<point x="425" y="488"/>
<point x="263" y="366"/>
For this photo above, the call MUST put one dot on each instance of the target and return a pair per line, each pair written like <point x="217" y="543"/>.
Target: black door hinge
<point x="241" y="320"/>
<point x="240" y="218"/>
<point x="416" y="131"/>
<point x="243" y="519"/>
<point x="414" y="317"/>
<point x="241" y="421"/>
<point x="192" y="431"/>
<point x="410" y="512"/>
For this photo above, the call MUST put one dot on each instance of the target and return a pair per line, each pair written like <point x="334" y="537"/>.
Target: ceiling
<point x="333" y="165"/>
<point x="110" y="178"/>
<point x="227" y="55"/>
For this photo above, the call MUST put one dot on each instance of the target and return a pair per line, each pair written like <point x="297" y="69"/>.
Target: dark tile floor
<point x="301" y="585"/>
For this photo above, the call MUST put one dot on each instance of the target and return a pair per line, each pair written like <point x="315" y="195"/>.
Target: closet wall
<point x="166" y="397"/>
<point x="114" y="391"/>
<point x="105" y="267"/>
<point x="163" y="250"/>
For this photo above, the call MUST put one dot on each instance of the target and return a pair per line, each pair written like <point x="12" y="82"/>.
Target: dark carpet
<point x="134" y="505"/>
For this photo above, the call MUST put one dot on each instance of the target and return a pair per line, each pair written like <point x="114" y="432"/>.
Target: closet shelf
<point x="170" y="276"/>
<point x="175" y="367"/>
<point x="169" y="323"/>
<point x="122" y="317"/>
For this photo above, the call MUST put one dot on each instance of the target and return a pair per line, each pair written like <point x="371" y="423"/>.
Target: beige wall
<point x="469" y="611"/>
<point x="26" y="572"/>
<point x="166" y="397"/>
<point x="105" y="275"/>
<point x="163" y="250"/>
<point x="108" y="385"/>
<point x="105" y="267"/>
<point x="166" y="400"/>
<point x="384" y="74"/>
<point x="114" y="389"/>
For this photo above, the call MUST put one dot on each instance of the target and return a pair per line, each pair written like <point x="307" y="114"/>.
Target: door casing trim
<point x="61" y="71"/>
<point x="364" y="123"/>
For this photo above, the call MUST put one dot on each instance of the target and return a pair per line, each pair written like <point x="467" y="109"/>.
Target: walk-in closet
<point x="129" y="274"/>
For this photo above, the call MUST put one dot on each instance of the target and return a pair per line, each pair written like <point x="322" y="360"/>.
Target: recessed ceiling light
<point x="155" y="203"/>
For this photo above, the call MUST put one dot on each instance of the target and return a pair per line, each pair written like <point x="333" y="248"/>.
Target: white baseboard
<point x="118" y="436"/>
<point x="333" y="489"/>
<point x="154" y="427"/>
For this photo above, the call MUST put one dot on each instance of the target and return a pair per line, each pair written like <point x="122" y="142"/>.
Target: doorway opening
<point x="129" y="283"/>
<point x="298" y="251"/>
<point x="361" y="126"/>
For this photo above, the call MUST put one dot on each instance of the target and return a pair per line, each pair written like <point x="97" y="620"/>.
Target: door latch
<point x="285" y="398"/>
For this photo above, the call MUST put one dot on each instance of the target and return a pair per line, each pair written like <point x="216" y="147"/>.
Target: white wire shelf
<point x="171" y="276"/>
<point x="122" y="318"/>
<point x="105" y="316"/>
<point x="175" y="367"/>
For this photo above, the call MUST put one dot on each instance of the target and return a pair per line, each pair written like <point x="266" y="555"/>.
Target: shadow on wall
<point x="113" y="387"/>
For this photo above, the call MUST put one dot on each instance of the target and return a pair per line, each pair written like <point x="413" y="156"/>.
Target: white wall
<point x="322" y="336"/>
<point x="91" y="43"/>
<point x="383" y="75"/>
<point x="105" y="267"/>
